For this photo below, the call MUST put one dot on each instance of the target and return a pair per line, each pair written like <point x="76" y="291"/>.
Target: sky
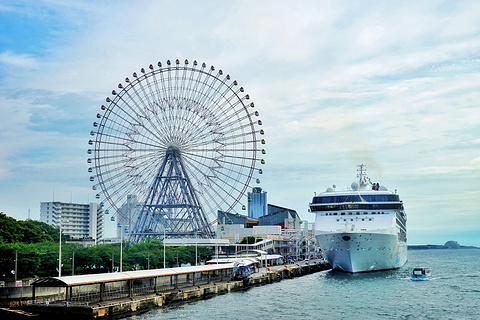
<point x="394" y="85"/>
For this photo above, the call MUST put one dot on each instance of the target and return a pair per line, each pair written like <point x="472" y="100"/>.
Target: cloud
<point x="394" y="86"/>
<point x="22" y="60"/>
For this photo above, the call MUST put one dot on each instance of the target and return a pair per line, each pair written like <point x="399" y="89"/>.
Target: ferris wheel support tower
<point x="171" y="207"/>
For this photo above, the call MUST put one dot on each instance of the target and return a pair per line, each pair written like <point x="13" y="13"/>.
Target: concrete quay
<point x="109" y="309"/>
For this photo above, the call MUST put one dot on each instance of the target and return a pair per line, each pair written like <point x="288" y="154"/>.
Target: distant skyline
<point x="393" y="85"/>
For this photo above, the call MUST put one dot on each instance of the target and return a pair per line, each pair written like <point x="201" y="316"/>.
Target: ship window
<point x="370" y="219"/>
<point x="343" y="213"/>
<point x="338" y="220"/>
<point x="365" y="212"/>
<point x="358" y="213"/>
<point x="350" y="213"/>
<point x="344" y="219"/>
<point x="335" y="214"/>
<point x="363" y="219"/>
<point x="381" y="198"/>
<point x="351" y="219"/>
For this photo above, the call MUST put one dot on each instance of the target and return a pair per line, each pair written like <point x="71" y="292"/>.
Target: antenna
<point x="362" y="171"/>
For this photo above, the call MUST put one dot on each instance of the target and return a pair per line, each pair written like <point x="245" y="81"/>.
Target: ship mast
<point x="362" y="174"/>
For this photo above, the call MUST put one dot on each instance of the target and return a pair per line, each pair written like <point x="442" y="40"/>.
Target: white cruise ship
<point x="362" y="229"/>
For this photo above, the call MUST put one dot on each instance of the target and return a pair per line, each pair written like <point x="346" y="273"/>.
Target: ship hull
<point x="362" y="251"/>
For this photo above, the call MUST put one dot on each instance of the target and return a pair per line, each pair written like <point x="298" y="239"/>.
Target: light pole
<point x="196" y="249"/>
<point x="148" y="262"/>
<point x="73" y="262"/>
<point x="113" y="265"/>
<point x="121" y="248"/>
<point x="60" y="249"/>
<point x="164" y="248"/>
<point x="16" y="263"/>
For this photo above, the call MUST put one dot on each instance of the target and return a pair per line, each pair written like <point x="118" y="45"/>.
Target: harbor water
<point x="453" y="293"/>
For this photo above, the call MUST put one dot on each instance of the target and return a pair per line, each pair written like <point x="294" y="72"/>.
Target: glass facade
<point x="257" y="203"/>
<point x="357" y="198"/>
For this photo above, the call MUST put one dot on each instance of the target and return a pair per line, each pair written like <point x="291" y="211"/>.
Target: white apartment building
<point x="78" y="220"/>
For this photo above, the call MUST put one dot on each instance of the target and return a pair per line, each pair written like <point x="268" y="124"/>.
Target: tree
<point x="30" y="231"/>
<point x="36" y="245"/>
<point x="9" y="229"/>
<point x="249" y="240"/>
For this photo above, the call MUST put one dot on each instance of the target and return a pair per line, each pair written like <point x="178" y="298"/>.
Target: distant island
<point x="448" y="245"/>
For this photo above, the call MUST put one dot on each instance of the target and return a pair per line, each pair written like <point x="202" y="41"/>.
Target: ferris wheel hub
<point x="173" y="150"/>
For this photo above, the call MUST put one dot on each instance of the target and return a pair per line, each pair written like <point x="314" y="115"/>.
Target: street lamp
<point x="60" y="247"/>
<point x="121" y="245"/>
<point x="121" y="248"/>
<point x="113" y="265"/>
<point x="16" y="263"/>
<point x="73" y="262"/>
<point x="60" y="250"/>
<point x="164" y="248"/>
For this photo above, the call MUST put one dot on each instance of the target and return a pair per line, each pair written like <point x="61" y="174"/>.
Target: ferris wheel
<point x="182" y="138"/>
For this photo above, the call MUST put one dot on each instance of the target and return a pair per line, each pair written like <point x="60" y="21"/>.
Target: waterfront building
<point x="236" y="218"/>
<point x="282" y="231"/>
<point x="78" y="220"/>
<point x="280" y="216"/>
<point x="257" y="203"/>
<point x="277" y="216"/>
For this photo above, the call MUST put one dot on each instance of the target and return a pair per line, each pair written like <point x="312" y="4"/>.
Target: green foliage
<point x="249" y="240"/>
<point x="36" y="246"/>
<point x="9" y="229"/>
<point x="30" y="231"/>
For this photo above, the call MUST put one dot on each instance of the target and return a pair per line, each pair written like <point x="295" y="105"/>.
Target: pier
<point x="103" y="296"/>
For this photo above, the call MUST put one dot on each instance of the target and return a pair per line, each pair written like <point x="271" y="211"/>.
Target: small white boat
<point x="421" y="273"/>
